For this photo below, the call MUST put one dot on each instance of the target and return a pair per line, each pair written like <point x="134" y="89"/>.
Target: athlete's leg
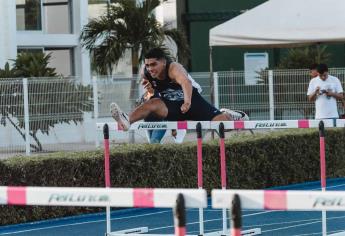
<point x="157" y="135"/>
<point x="153" y="106"/>
<point x="222" y="117"/>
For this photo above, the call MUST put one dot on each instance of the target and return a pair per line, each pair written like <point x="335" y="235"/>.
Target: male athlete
<point x="178" y="100"/>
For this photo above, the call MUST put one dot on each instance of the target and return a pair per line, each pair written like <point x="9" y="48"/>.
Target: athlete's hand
<point x="185" y="107"/>
<point x="146" y="84"/>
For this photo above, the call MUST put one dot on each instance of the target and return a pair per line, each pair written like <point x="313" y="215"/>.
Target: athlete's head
<point x="155" y="61"/>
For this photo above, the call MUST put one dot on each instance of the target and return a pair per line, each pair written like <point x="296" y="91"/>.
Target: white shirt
<point x="325" y="106"/>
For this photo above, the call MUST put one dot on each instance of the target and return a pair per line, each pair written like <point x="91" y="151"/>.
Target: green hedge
<point x="253" y="162"/>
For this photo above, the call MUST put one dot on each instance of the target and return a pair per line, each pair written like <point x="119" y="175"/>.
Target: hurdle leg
<point x="200" y="183"/>
<point x="180" y="216"/>
<point x="236" y="216"/>
<point x="222" y="170"/>
<point x="323" y="172"/>
<point x="107" y="172"/>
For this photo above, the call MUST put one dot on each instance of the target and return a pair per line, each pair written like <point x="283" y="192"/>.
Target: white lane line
<point x="205" y="221"/>
<point x="83" y="223"/>
<point x="318" y="233"/>
<point x="299" y="225"/>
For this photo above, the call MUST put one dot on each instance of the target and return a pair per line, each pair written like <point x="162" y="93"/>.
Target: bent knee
<point x="158" y="107"/>
<point x="222" y="117"/>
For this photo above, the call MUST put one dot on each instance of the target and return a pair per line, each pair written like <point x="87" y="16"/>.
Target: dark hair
<point x="322" y="68"/>
<point x="159" y="53"/>
<point x="313" y="66"/>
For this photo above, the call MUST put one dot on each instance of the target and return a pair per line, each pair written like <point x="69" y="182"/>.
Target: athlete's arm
<point x="180" y="76"/>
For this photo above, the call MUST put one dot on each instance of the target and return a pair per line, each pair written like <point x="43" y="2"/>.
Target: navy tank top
<point x="167" y="88"/>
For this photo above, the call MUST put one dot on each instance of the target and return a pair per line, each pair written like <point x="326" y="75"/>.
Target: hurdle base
<point x="255" y="231"/>
<point x="139" y="230"/>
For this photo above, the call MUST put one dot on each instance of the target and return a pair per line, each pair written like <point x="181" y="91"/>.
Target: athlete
<point x="178" y="100"/>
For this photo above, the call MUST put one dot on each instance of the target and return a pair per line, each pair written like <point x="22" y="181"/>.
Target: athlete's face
<point x="155" y="66"/>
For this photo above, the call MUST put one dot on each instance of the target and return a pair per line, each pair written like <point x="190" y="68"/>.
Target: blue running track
<point x="160" y="221"/>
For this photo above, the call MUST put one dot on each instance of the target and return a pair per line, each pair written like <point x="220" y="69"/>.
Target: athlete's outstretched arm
<point x="180" y="76"/>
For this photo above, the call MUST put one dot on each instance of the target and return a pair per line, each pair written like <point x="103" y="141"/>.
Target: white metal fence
<point x="278" y="95"/>
<point x="44" y="114"/>
<point x="60" y="113"/>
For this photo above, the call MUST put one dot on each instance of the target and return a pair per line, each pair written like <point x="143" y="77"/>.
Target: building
<point x="54" y="26"/>
<point x="51" y="26"/>
<point x="197" y="17"/>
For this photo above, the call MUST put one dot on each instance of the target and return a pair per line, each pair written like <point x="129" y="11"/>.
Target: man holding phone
<point x="325" y="90"/>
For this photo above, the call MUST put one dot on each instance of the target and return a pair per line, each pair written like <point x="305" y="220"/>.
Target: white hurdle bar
<point x="281" y="200"/>
<point x="101" y="197"/>
<point x="258" y="124"/>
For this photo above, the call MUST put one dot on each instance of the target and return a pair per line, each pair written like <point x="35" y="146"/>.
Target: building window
<point x="30" y="50"/>
<point x="57" y="16"/>
<point x="29" y="15"/>
<point x="60" y="58"/>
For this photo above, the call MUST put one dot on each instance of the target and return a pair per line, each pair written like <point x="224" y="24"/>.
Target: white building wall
<point x="11" y="39"/>
<point x="81" y="56"/>
<point x="8" y="49"/>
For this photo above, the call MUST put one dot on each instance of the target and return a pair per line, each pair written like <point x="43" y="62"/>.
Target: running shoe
<point x="121" y="117"/>
<point x="235" y="114"/>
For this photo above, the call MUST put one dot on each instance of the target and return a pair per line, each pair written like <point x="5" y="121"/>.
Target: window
<point x="60" y="58"/>
<point x="57" y="16"/>
<point x="29" y="50"/>
<point x="28" y="14"/>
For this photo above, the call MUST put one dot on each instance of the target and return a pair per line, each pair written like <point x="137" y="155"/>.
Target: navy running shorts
<point x="200" y="109"/>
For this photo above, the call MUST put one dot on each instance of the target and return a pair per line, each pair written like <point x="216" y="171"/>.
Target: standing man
<point x="178" y="101"/>
<point x="325" y="90"/>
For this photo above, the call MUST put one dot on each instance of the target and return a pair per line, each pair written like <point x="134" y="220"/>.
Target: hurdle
<point x="108" y="197"/>
<point x="234" y="125"/>
<point x="228" y="125"/>
<point x="182" y="125"/>
<point x="199" y="170"/>
<point x="286" y="200"/>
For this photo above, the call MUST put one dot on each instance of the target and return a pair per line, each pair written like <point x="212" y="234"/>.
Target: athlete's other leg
<point x="222" y="117"/>
<point x="153" y="106"/>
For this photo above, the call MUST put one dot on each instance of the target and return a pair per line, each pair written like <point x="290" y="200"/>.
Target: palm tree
<point x="127" y="25"/>
<point x="302" y="58"/>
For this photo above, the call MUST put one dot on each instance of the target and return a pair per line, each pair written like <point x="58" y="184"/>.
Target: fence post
<point x="26" y="116"/>
<point x="95" y="105"/>
<point x="216" y="89"/>
<point x="271" y="93"/>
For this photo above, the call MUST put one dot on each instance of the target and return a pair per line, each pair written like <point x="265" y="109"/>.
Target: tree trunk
<point x="36" y="148"/>
<point x="133" y="94"/>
